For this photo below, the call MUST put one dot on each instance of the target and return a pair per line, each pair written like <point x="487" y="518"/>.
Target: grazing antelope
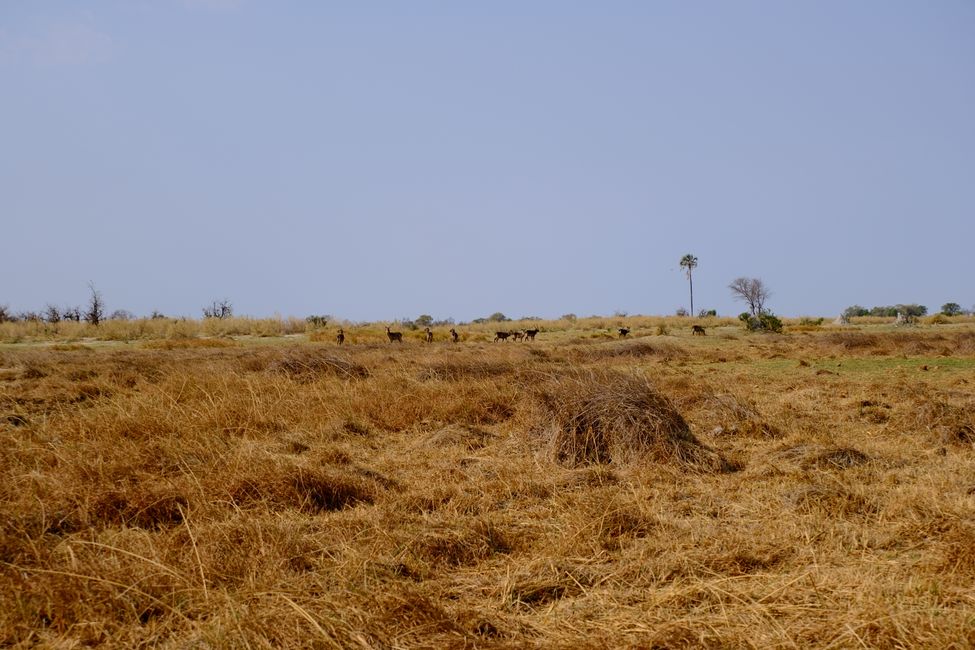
<point x="394" y="336"/>
<point x="454" y="336"/>
<point x="518" y="336"/>
<point x="698" y="330"/>
<point x="623" y="332"/>
<point x="530" y="334"/>
<point x="340" y="337"/>
<point x="501" y="336"/>
<point x="428" y="337"/>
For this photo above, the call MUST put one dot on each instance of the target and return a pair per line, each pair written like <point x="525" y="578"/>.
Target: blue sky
<point x="386" y="159"/>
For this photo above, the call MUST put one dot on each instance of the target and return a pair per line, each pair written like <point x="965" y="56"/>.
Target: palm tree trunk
<point x="691" y="280"/>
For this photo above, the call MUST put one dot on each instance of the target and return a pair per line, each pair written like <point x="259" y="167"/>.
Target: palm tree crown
<point x="689" y="262"/>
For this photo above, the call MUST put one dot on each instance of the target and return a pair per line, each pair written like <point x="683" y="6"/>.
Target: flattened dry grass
<point x="569" y="492"/>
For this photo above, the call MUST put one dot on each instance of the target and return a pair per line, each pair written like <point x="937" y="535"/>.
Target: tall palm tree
<point x="689" y="262"/>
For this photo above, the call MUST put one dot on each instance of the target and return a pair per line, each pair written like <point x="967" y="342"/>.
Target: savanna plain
<point x="243" y="485"/>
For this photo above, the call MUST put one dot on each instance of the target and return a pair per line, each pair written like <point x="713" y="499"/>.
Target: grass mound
<point x="836" y="458"/>
<point x="464" y="435"/>
<point x="636" y="348"/>
<point x="739" y="416"/>
<point x="306" y="365"/>
<point x="307" y="490"/>
<point x="954" y="423"/>
<point x="188" y="343"/>
<point x="462" y="545"/>
<point x="602" y="417"/>
<point x="462" y="369"/>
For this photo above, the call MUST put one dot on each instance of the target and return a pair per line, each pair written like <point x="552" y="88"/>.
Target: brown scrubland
<point x="176" y="484"/>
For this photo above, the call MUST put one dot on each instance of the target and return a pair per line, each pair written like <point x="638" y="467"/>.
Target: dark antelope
<point x="340" y="337"/>
<point x="453" y="335"/>
<point x="428" y="337"/>
<point x="697" y="329"/>
<point x="394" y="336"/>
<point x="530" y="334"/>
<point x="518" y="336"/>
<point x="501" y="336"/>
<point x="623" y="332"/>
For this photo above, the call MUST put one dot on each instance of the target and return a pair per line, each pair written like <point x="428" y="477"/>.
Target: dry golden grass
<point x="814" y="489"/>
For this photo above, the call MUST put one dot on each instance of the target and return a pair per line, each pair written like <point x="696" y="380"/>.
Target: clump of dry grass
<point x="637" y="348"/>
<point x="467" y="436"/>
<point x="953" y="423"/>
<point x="739" y="416"/>
<point x="307" y="364"/>
<point x="836" y="458"/>
<point x="182" y="343"/>
<point x="605" y="416"/>
<point x="305" y="487"/>
<point x="465" y="368"/>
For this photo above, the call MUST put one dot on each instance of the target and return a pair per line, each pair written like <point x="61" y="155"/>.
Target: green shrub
<point x="764" y="322"/>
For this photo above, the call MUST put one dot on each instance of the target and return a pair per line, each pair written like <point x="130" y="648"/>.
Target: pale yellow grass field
<point x="813" y="489"/>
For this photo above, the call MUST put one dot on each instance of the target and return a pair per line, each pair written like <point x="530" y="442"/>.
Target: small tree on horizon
<point x="219" y="309"/>
<point x="96" y="307"/>
<point x="689" y="263"/>
<point x="951" y="309"/>
<point x="751" y="291"/>
<point x="52" y="314"/>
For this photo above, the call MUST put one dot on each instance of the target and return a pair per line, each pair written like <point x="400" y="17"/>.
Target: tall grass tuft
<point x="599" y="416"/>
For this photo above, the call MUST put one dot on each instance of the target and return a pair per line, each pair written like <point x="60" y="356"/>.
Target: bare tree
<point x="51" y="314"/>
<point x="96" y="307"/>
<point x="5" y="314"/>
<point x="71" y="313"/>
<point x="219" y="309"/>
<point x="751" y="291"/>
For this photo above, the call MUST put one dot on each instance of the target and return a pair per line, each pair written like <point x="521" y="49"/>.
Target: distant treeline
<point x="888" y="311"/>
<point x="892" y="311"/>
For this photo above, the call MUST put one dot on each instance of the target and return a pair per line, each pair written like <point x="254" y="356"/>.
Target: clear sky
<point x="376" y="160"/>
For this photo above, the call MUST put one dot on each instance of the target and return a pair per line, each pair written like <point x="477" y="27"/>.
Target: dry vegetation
<point x="811" y="489"/>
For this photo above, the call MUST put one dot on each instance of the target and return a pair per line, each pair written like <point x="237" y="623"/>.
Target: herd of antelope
<point x="515" y="335"/>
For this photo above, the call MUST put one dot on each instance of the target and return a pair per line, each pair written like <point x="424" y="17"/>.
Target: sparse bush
<point x="121" y="314"/>
<point x="317" y="321"/>
<point x="72" y="314"/>
<point x="51" y="314"/>
<point x="681" y="312"/>
<point x="811" y="322"/>
<point x="95" y="313"/>
<point x="764" y="322"/>
<point x="705" y="313"/>
<point x="569" y="317"/>
<point x="424" y="320"/>
<point x="219" y="309"/>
